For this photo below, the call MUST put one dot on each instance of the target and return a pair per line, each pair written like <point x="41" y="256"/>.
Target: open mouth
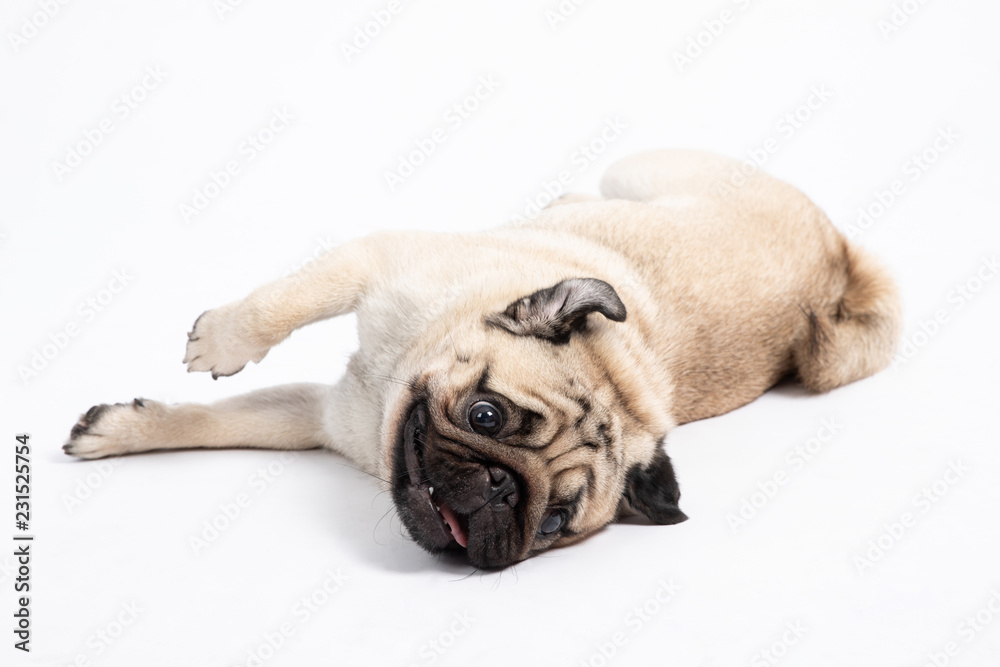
<point x="432" y="522"/>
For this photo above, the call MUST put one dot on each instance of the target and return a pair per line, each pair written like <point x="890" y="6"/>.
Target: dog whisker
<point x="365" y="472"/>
<point x="406" y="383"/>
<point x="377" y="523"/>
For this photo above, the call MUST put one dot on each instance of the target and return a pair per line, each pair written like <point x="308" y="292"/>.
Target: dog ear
<point x="556" y="312"/>
<point x="652" y="490"/>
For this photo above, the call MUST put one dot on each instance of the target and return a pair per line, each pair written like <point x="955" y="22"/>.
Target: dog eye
<point x="552" y="522"/>
<point x="485" y="418"/>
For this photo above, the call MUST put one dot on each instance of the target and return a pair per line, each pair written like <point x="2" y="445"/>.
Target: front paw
<point x="220" y="343"/>
<point x="111" y="430"/>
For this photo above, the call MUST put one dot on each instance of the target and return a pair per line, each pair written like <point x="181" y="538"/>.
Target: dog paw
<point x="111" y="430"/>
<point x="220" y="344"/>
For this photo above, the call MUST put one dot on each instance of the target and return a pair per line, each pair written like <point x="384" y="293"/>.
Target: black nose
<point x="501" y="492"/>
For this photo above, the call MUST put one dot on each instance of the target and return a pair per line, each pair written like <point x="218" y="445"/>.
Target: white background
<point x="119" y="534"/>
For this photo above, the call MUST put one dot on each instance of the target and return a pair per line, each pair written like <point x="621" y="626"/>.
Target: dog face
<point x="526" y="431"/>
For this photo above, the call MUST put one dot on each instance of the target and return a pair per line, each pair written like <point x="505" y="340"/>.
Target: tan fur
<point x="274" y="418"/>
<point x="727" y="290"/>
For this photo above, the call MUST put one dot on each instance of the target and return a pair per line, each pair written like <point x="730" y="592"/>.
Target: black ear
<point x="653" y="491"/>
<point x="556" y="312"/>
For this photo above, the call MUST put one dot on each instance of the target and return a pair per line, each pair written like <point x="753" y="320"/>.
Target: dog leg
<point x="225" y="339"/>
<point x="284" y="417"/>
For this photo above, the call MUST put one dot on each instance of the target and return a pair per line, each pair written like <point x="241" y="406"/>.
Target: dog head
<point x="530" y="428"/>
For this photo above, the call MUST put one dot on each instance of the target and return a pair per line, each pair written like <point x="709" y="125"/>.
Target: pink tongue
<point x="451" y="519"/>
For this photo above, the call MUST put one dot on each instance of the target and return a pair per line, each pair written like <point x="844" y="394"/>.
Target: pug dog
<point x="514" y="388"/>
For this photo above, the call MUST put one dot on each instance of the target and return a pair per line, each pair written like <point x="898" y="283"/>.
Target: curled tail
<point x="859" y="335"/>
